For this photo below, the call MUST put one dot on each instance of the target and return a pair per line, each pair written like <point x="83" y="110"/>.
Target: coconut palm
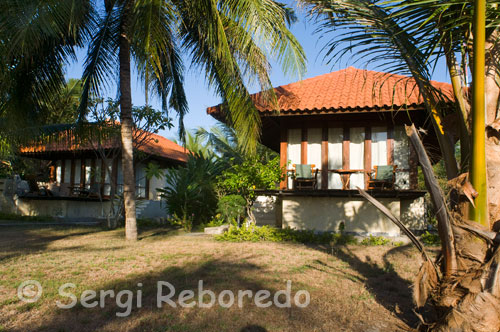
<point x="410" y="37"/>
<point x="222" y="38"/>
<point x="229" y="41"/>
<point x="224" y="141"/>
<point x="36" y="39"/>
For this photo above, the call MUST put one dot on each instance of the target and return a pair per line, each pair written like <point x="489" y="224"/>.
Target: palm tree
<point x="224" y="141"/>
<point x="36" y="38"/>
<point x="409" y="37"/>
<point x="230" y="41"/>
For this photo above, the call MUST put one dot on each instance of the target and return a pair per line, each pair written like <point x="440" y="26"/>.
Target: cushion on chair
<point x="303" y="171"/>
<point x="385" y="173"/>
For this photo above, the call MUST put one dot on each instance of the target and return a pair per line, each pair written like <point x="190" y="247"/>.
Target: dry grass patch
<point x="353" y="288"/>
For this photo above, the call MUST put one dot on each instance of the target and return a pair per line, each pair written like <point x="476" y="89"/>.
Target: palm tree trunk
<point x="127" y="126"/>
<point x="477" y="170"/>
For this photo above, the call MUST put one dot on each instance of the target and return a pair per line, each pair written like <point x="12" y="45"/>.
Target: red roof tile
<point x="344" y="90"/>
<point x="154" y="144"/>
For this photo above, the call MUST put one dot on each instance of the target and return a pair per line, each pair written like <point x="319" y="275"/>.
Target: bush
<point x="254" y="233"/>
<point x="190" y="192"/>
<point x="430" y="239"/>
<point x="185" y="222"/>
<point x="231" y="207"/>
<point x="16" y="217"/>
<point x="375" y="241"/>
<point x="216" y="221"/>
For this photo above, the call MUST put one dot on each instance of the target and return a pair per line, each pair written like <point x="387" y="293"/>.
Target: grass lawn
<point x="352" y="288"/>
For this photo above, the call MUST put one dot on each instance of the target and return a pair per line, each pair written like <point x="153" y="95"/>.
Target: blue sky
<point x="200" y="96"/>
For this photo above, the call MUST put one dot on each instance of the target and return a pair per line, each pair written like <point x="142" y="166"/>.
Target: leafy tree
<point x="243" y="179"/>
<point x="229" y="41"/>
<point x="232" y="208"/>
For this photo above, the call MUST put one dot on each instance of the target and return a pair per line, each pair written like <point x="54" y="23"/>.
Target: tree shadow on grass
<point x="387" y="287"/>
<point x="19" y="241"/>
<point x="217" y="275"/>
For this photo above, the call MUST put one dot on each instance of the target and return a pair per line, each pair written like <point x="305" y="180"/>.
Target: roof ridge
<point x="347" y="88"/>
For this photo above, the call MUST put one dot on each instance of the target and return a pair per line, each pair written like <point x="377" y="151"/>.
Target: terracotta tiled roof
<point x="160" y="146"/>
<point x="154" y="144"/>
<point x="345" y="90"/>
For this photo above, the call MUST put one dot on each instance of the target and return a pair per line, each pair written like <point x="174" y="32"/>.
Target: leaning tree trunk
<point x="127" y="126"/>
<point x="467" y="296"/>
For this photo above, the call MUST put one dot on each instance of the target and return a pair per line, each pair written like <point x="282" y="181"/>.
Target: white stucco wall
<point x="264" y="210"/>
<point x="326" y="214"/>
<point x="413" y="213"/>
<point x="61" y="208"/>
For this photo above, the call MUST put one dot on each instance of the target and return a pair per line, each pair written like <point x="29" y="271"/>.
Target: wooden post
<point x="390" y="144"/>
<point x="413" y="162"/>
<point x="368" y="154"/>
<point x="324" y="159"/>
<point x="82" y="173"/>
<point x="303" y="147"/>
<point x="345" y="154"/>
<point x="52" y="170"/>
<point x="345" y="148"/>
<point x="284" y="156"/>
<point x="92" y="172"/>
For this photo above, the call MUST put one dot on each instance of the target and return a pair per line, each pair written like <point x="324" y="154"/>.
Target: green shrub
<point x="186" y="222"/>
<point x="216" y="221"/>
<point x="15" y="217"/>
<point x="190" y="192"/>
<point x="430" y="239"/>
<point x="148" y="223"/>
<point x="231" y="207"/>
<point x="253" y="233"/>
<point x="375" y="241"/>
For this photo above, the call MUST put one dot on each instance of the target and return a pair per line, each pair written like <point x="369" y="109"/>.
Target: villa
<point x="343" y="126"/>
<point x="84" y="176"/>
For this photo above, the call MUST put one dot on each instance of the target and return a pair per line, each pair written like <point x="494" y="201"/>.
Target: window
<point x="58" y="171"/>
<point x="108" y="167"/>
<point x="314" y="149"/>
<point x="357" y="156"/>
<point x="88" y="173"/>
<point x="379" y="146"/>
<point x="401" y="158"/>
<point x="78" y="171"/>
<point x="335" y="138"/>
<point x="378" y="154"/>
<point x="294" y="141"/>
<point x="67" y="171"/>
<point x="140" y="181"/>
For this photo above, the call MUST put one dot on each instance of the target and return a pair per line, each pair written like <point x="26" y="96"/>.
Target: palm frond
<point x="155" y="50"/>
<point x="102" y="57"/>
<point x="217" y="32"/>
